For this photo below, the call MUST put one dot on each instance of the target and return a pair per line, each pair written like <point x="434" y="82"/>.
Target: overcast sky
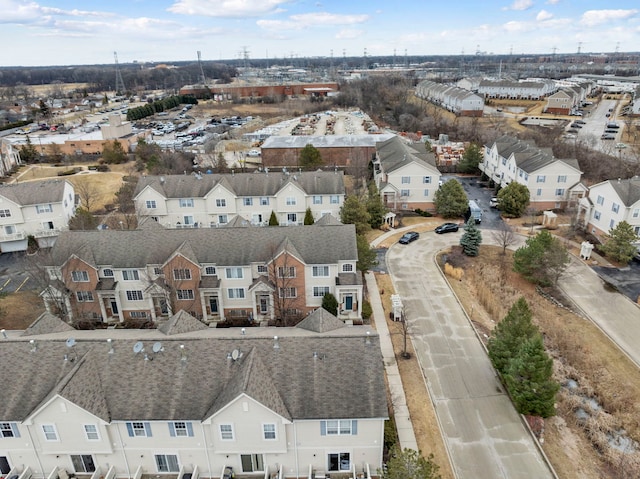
<point x="70" y="32"/>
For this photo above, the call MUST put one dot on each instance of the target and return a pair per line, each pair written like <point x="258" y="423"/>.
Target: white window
<point x="184" y="294"/>
<point x="247" y="201"/>
<point x="347" y="268"/>
<point x="540" y="179"/>
<point x="182" y="273"/>
<point x="79" y="276"/>
<point x="320" y="291"/>
<point x="235" y="293"/>
<point x="426" y="179"/>
<point x="596" y="215"/>
<point x="44" y="208"/>
<point x="157" y="270"/>
<point x="252" y="462"/>
<point x="50" y="433"/>
<point x="135" y="295"/>
<point x="291" y="200"/>
<point x="269" y="431"/>
<point x="317" y="200"/>
<point x="210" y="271"/>
<point x="262" y="269"/>
<point x="188" y="220"/>
<point x="338" y="427"/>
<point x="600" y="200"/>
<point x="5" y="213"/>
<point x="180" y="429"/>
<point x="562" y="178"/>
<point x="91" y="432"/>
<point x="9" y="429"/>
<point x="636" y="212"/>
<point x="186" y="202"/>
<point x="84" y="296"/>
<point x="139" y="429"/>
<point x="334" y="199"/>
<point x="612" y="223"/>
<point x="288" y="292"/>
<point x="404" y="192"/>
<point x="286" y="271"/>
<point x="151" y="204"/>
<point x="107" y="273"/>
<point x="226" y="432"/>
<point x="320" y="271"/>
<point x="83" y="463"/>
<point x="130" y="275"/>
<point x="526" y="177"/>
<point x="559" y="191"/>
<point x="221" y="202"/>
<point x="264" y="201"/>
<point x="233" y="273"/>
<point x="138" y="314"/>
<point x="615" y="207"/>
<point x="167" y="463"/>
<point x="426" y="192"/>
<point x="406" y="180"/>
<point x="223" y="219"/>
<point x="539" y="192"/>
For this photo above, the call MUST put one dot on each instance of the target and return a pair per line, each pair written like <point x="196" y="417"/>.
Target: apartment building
<point x="245" y="273"/>
<point x="405" y="174"/>
<point x="41" y="209"/>
<point x="552" y="182"/>
<point x="192" y="402"/>
<point x="194" y="201"/>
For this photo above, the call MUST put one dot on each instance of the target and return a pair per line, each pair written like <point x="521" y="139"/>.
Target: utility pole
<point x="119" y="82"/>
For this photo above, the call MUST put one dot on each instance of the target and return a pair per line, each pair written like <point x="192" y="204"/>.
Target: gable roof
<point x="221" y="246"/>
<point x="182" y="322"/>
<point x="320" y="321"/>
<point x="527" y="156"/>
<point x="34" y="192"/>
<point x="627" y="190"/>
<point x="395" y="153"/>
<point x="47" y="323"/>
<point x="194" y="374"/>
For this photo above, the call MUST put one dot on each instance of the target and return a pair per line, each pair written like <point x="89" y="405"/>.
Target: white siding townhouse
<point x="193" y="201"/>
<point x="552" y="182"/>
<point x="249" y="274"/>
<point x="452" y="98"/>
<point x="41" y="209"/>
<point x="405" y="174"/>
<point x="526" y="90"/>
<point x="187" y="401"/>
<point x="609" y="203"/>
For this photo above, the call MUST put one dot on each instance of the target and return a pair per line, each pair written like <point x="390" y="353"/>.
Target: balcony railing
<point x="20" y="235"/>
<point x="48" y="233"/>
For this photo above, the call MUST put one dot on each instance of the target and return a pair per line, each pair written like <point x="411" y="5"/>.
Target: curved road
<point x="483" y="432"/>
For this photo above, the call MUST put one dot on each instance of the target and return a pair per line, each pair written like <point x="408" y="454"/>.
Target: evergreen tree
<point x="83" y="220"/>
<point x="367" y="257"/>
<point x="354" y="212"/>
<point x="529" y="378"/>
<point x="471" y="158"/>
<point x="113" y="152"/>
<point x="375" y="207"/>
<point x="471" y="239"/>
<point x="542" y="259"/>
<point x="513" y="199"/>
<point x="28" y="152"/>
<point x="308" y="217"/>
<point x="620" y="244"/>
<point x="273" y="219"/>
<point x="409" y="464"/>
<point x="310" y="157"/>
<point x="509" y="334"/>
<point x="451" y="200"/>
<point x="330" y="303"/>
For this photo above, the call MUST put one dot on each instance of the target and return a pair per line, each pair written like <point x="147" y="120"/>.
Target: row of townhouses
<point x="248" y="273"/>
<point x="212" y="200"/>
<point x="516" y="90"/>
<point x="188" y="401"/>
<point x="552" y="182"/>
<point x="457" y="100"/>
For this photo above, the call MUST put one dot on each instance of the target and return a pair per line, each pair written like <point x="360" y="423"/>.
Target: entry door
<point x="213" y="305"/>
<point x="4" y="465"/>
<point x="348" y="303"/>
<point x="114" y="307"/>
<point x="264" y="304"/>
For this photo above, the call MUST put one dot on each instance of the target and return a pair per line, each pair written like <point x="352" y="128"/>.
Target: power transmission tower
<point x="204" y="80"/>
<point x="119" y="82"/>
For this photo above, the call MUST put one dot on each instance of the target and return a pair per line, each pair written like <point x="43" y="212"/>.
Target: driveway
<point x="483" y="432"/>
<point x="13" y="274"/>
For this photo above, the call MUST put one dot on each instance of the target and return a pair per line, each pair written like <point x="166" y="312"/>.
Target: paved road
<point x="482" y="430"/>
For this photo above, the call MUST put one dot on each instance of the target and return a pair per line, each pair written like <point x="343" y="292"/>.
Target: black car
<point x="409" y="237"/>
<point x="447" y="228"/>
<point x="576" y="125"/>
<point x="580" y="122"/>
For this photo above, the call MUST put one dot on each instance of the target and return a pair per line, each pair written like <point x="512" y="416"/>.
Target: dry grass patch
<point x="19" y="310"/>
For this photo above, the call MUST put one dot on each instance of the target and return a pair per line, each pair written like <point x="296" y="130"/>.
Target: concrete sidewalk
<point x="406" y="435"/>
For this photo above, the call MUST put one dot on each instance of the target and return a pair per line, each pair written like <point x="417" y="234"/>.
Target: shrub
<point x="420" y="212"/>
<point x="367" y="310"/>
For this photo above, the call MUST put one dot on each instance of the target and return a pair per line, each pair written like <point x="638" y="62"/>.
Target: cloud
<point x="591" y="18"/>
<point x="520" y="5"/>
<point x="349" y="34"/>
<point x="310" y="20"/>
<point x="553" y="2"/>
<point x="227" y="8"/>
<point x="29" y="13"/>
<point x="543" y="15"/>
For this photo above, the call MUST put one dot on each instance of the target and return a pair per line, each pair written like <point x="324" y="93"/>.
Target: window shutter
<point x="189" y="429"/>
<point x="130" y="429"/>
<point x="15" y="430"/>
<point x="172" y="429"/>
<point x="323" y="428"/>
<point x="147" y="429"/>
<point x="354" y="427"/>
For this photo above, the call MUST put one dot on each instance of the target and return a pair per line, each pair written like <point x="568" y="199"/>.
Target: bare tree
<point x="504" y="236"/>
<point x="86" y="193"/>
<point x="288" y="295"/>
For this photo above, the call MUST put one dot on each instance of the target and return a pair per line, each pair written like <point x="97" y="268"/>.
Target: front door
<point x="114" y="307"/>
<point x="264" y="305"/>
<point x="4" y="465"/>
<point x="213" y="305"/>
<point x="348" y="303"/>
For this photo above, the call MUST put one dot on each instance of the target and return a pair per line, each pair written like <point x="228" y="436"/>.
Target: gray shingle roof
<point x="243" y="184"/>
<point x="343" y="380"/>
<point x="45" y="324"/>
<point x="528" y="157"/>
<point x="182" y="322"/>
<point x="220" y="246"/>
<point x="320" y="321"/>
<point x="34" y="192"/>
<point x="396" y="153"/>
<point x="327" y="141"/>
<point x="628" y="190"/>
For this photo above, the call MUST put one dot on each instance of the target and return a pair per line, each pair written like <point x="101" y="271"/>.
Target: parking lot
<point x="13" y="273"/>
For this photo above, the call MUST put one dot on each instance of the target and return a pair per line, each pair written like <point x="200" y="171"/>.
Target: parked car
<point x="493" y="202"/>
<point x="447" y="228"/>
<point x="580" y="122"/>
<point x="575" y="125"/>
<point x="572" y="131"/>
<point x="253" y="153"/>
<point x="409" y="237"/>
<point x="608" y="136"/>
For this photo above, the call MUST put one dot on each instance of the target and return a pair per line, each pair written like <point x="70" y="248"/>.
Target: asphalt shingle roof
<point x="34" y="192"/>
<point x="528" y="157"/>
<point x="628" y="190"/>
<point x="395" y="153"/>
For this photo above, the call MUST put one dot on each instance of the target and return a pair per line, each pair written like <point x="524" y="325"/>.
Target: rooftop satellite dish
<point x="138" y="347"/>
<point x="71" y="342"/>
<point x="235" y="354"/>
<point x="157" y="347"/>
